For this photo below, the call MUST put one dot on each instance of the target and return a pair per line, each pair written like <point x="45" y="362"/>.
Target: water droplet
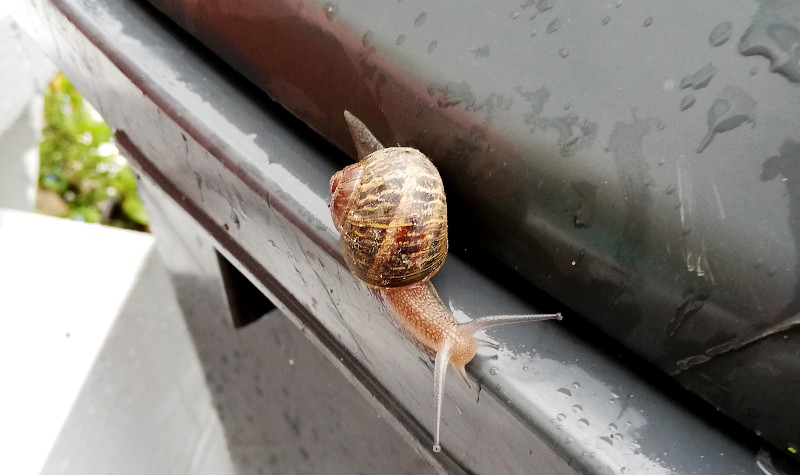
<point x="400" y="40"/>
<point x="772" y="271"/>
<point x="533" y="15"/>
<point x="699" y="79"/>
<point x="619" y="4"/>
<point x="648" y="21"/>
<point x="366" y="40"/>
<point x="493" y="370"/>
<point x="330" y="10"/>
<point x="533" y="33"/>
<point x="606" y="20"/>
<point x="720" y="34"/>
<point x="566" y="392"/>
<point x="583" y="423"/>
<point x="561" y="416"/>
<point x="618" y="437"/>
<point x="576" y="384"/>
<point x="554" y="25"/>
<point x="607" y="440"/>
<point x="775" y="38"/>
<point x="687" y="363"/>
<point x="577" y="409"/>
<point x="732" y="108"/>
<point x="432" y="46"/>
<point x="563" y="52"/>
<point x="544" y="5"/>
<point x="514" y="15"/>
<point x="612" y="426"/>
<point x="661" y="125"/>
<point x="753" y="71"/>
<point x="420" y="20"/>
<point x="524" y="368"/>
<point x="671" y="189"/>
<point x="568" y="440"/>
<point x="687" y="101"/>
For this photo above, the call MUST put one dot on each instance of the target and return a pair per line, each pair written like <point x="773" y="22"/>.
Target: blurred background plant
<point x="82" y="176"/>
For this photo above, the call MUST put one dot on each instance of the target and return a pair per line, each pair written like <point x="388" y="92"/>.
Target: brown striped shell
<point x="391" y="214"/>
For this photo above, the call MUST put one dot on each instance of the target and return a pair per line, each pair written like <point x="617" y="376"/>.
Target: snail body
<point x="391" y="214"/>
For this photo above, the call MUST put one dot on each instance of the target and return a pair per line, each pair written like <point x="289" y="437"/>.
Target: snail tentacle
<point x="462" y="371"/>
<point x="483" y="323"/>
<point x="365" y="142"/>
<point x="487" y="344"/>
<point x="439" y="373"/>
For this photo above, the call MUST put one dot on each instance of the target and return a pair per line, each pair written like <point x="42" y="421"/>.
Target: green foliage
<point x="80" y="163"/>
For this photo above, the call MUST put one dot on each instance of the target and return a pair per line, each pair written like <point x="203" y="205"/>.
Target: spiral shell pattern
<point x="391" y="212"/>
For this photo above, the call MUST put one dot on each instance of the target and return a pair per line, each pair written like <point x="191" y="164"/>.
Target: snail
<point x="391" y="214"/>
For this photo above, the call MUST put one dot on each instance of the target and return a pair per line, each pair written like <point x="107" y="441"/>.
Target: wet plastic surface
<point x="285" y="408"/>
<point x="636" y="160"/>
<point x="258" y="183"/>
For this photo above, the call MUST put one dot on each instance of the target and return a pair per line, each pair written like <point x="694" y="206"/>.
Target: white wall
<point x="24" y="72"/>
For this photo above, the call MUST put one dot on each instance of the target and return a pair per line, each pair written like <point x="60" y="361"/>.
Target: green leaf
<point x="71" y="163"/>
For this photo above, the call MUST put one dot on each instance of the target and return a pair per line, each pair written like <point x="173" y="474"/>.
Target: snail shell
<point x="391" y="214"/>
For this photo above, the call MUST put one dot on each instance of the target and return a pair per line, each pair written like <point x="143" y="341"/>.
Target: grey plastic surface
<point x="285" y="408"/>
<point x="636" y="160"/>
<point x="258" y="184"/>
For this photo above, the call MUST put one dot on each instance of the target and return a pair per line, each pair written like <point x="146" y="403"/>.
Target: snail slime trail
<point x="391" y="214"/>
